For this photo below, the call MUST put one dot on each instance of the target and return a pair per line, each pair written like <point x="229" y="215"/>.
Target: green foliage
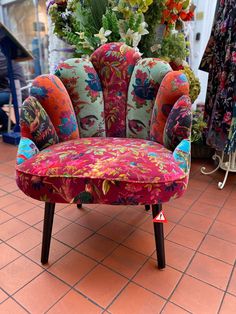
<point x="174" y="47"/>
<point x="198" y="127"/>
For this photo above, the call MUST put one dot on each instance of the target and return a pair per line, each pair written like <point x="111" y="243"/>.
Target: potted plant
<point x="198" y="141"/>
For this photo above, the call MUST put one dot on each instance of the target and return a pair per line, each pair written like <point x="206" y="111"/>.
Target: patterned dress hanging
<point x="219" y="60"/>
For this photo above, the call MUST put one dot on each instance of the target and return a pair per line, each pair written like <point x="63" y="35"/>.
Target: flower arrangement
<point x="176" y="10"/>
<point x="88" y="24"/>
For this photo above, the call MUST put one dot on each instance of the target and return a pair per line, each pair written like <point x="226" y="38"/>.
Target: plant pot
<point x="200" y="150"/>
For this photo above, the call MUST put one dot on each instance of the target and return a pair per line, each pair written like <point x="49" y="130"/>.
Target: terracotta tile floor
<point x="103" y="258"/>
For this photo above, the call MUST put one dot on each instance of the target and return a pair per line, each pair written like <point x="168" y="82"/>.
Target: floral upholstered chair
<point x="112" y="129"/>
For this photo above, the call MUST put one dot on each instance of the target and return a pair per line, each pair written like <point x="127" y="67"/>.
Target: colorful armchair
<point x="112" y="129"/>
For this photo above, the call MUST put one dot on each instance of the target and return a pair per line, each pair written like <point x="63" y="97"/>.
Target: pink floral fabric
<point x="108" y="170"/>
<point x="114" y="63"/>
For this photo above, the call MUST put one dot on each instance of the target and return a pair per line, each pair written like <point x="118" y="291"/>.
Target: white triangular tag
<point x="160" y="218"/>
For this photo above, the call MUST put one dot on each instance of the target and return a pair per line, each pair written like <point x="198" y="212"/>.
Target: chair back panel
<point x="114" y="63"/>
<point x="53" y="97"/>
<point x="84" y="87"/>
<point x="144" y="84"/>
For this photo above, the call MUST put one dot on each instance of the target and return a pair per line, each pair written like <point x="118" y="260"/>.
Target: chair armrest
<point x="178" y="124"/>
<point x="182" y="155"/>
<point x="26" y="150"/>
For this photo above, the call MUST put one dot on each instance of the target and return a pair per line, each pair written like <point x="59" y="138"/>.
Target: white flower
<point x="103" y="34"/>
<point x="133" y="38"/>
<point x="142" y="28"/>
<point x="81" y="34"/>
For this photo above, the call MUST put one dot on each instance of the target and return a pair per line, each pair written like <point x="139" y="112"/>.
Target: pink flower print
<point x="227" y="117"/>
<point x="234" y="57"/>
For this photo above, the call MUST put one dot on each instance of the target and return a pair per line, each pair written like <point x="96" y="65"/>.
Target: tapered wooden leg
<point x="47" y="231"/>
<point x="79" y="206"/>
<point x="159" y="237"/>
<point x="147" y="207"/>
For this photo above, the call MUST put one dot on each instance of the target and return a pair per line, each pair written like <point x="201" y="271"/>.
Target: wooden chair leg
<point x="79" y="206"/>
<point x="47" y="231"/>
<point x="159" y="237"/>
<point x="147" y="207"/>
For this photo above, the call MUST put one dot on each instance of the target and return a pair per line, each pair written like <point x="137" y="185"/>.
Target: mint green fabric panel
<point x="85" y="90"/>
<point x="144" y="84"/>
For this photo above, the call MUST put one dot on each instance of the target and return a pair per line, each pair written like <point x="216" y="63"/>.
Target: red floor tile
<point x="224" y="231"/>
<point x="186" y="237"/>
<point x="11" y="228"/>
<point x="72" y="267"/>
<point x="8" y="254"/>
<point x="196" y="296"/>
<point x="97" y="247"/>
<point x="177" y="256"/>
<point x="227" y="216"/>
<point x="57" y="250"/>
<point x="232" y="284"/>
<point x="73" y="234"/>
<point x="125" y="261"/>
<point x="229" y="305"/>
<point x="210" y="270"/>
<point x="148" y="227"/>
<point x="18" y="207"/>
<point x="133" y="216"/>
<point x="93" y="220"/>
<point x="3" y="296"/>
<point x="219" y="249"/>
<point x="171" y="308"/>
<point x="32" y="216"/>
<point x="74" y="303"/>
<point x="208" y="210"/>
<point x="141" y="242"/>
<point x="110" y="210"/>
<point x="26" y="240"/>
<point x="11" y="307"/>
<point x="72" y="213"/>
<point x="162" y="282"/>
<point x="116" y="230"/>
<point x="135" y="299"/>
<point x="18" y="273"/>
<point x="41" y="293"/>
<point x="108" y="285"/>
<point x="4" y="216"/>
<point x="196" y="222"/>
<point x="59" y="223"/>
<point x="172" y="213"/>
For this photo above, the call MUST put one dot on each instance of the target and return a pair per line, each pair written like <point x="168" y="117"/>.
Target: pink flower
<point x="234" y="57"/>
<point x="227" y="118"/>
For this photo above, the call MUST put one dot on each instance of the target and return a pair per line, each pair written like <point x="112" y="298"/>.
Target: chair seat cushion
<point x="103" y="170"/>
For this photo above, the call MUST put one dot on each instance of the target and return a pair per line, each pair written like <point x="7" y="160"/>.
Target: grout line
<point x="228" y="283"/>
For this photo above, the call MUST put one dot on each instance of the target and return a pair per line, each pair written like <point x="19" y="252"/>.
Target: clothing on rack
<point x="219" y="60"/>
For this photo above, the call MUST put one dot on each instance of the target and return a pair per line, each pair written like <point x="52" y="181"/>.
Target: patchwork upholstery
<point x="36" y="124"/>
<point x="84" y="87"/>
<point x="114" y="64"/>
<point x="53" y="96"/>
<point x="178" y="124"/>
<point x="173" y="86"/>
<point x="109" y="170"/>
<point x="144" y="84"/>
<point x="117" y="128"/>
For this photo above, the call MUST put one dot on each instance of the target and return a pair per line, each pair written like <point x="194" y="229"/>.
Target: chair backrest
<point x="113" y="93"/>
